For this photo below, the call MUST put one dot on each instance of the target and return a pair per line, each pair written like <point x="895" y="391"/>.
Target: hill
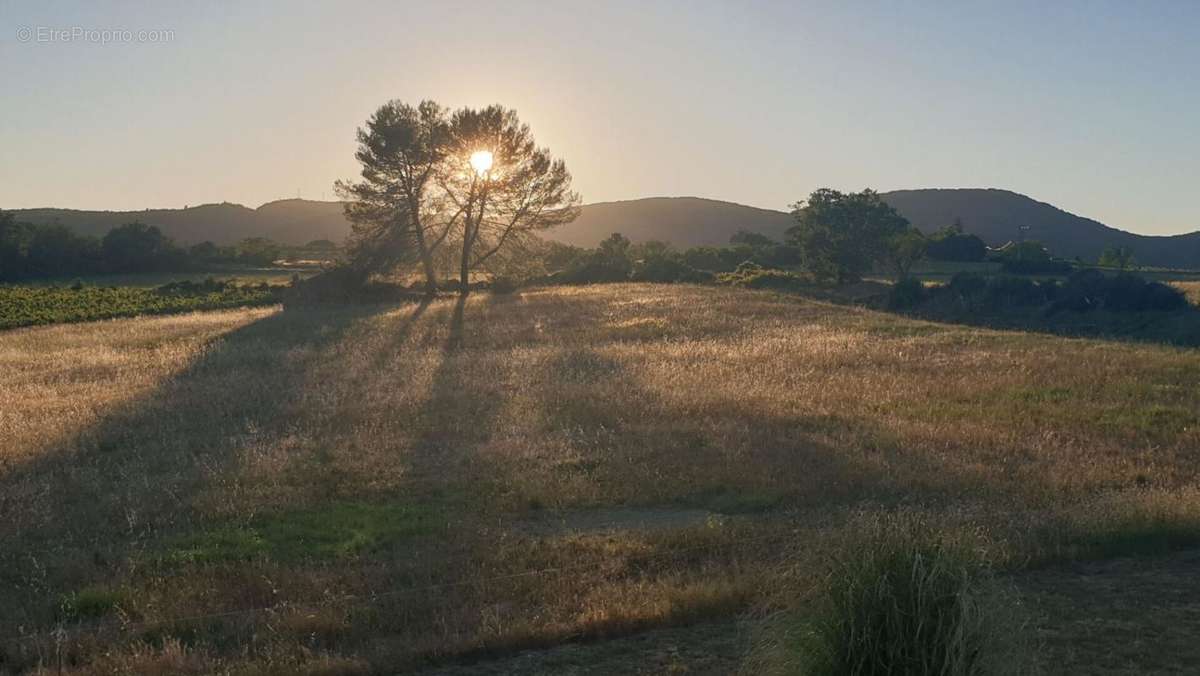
<point x="292" y="221"/>
<point x="682" y="221"/>
<point x="994" y="215"/>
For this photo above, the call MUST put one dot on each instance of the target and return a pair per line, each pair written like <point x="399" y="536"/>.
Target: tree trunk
<point x="464" y="271"/>
<point x="426" y="261"/>
<point x="470" y="232"/>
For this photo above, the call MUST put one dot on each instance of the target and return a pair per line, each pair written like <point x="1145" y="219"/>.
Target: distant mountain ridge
<point x="682" y="221"/>
<point x="994" y="215"/>
<point x="290" y="221"/>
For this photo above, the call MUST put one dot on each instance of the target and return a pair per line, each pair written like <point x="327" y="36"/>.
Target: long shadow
<point x="79" y="511"/>
<point x="591" y="434"/>
<point x="461" y="403"/>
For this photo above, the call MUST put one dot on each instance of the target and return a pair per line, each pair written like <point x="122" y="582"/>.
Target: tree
<point x="14" y="244"/>
<point x="204" y="252"/>
<point x="649" y="249"/>
<point x="258" y="251"/>
<point x="504" y="186"/>
<point x="904" y="250"/>
<point x="1031" y="251"/>
<point x="615" y="245"/>
<point x="57" y="251"/>
<point x="1119" y="257"/>
<point x="394" y="214"/>
<point x="1032" y="258"/>
<point x="952" y="244"/>
<point x="137" y="247"/>
<point x="841" y="236"/>
<point x="751" y="239"/>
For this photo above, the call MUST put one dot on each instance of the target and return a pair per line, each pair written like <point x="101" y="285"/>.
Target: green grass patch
<point x="1041" y="395"/>
<point x="335" y="531"/>
<point x="90" y="603"/>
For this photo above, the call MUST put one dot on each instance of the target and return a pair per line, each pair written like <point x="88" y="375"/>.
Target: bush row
<point x="1083" y="291"/>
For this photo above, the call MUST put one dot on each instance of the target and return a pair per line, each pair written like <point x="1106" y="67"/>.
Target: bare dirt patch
<point x="702" y="650"/>
<point x="1123" y="616"/>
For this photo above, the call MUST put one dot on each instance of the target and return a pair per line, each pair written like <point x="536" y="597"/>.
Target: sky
<point x="1091" y="106"/>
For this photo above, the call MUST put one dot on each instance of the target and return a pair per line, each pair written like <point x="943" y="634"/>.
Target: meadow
<point x="379" y="487"/>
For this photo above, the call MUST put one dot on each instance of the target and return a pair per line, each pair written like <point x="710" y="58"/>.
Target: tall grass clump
<point x="898" y="597"/>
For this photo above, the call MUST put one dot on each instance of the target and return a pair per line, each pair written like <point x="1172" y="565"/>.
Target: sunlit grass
<point x="381" y="476"/>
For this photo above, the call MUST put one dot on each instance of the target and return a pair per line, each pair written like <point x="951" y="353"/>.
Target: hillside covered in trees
<point x="993" y="215"/>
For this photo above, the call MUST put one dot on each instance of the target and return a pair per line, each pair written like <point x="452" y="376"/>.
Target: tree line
<point x="29" y="251"/>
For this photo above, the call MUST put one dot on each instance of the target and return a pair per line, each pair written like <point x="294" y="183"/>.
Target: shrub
<point x="1122" y="293"/>
<point x="1163" y="297"/>
<point x="1018" y="291"/>
<point x="343" y="284"/>
<point x="900" y="598"/>
<point x="773" y="279"/>
<point x="666" y="268"/>
<point x="89" y="603"/>
<point x="1036" y="267"/>
<point x="754" y="276"/>
<point x="719" y="258"/>
<point x="1048" y="288"/>
<point x="595" y="268"/>
<point x="967" y="285"/>
<point x="1091" y="290"/>
<point x="906" y="293"/>
<point x="187" y="287"/>
<point x="1031" y="258"/>
<point x="956" y="246"/>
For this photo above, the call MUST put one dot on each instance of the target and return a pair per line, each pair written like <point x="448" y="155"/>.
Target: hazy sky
<point x="1092" y="106"/>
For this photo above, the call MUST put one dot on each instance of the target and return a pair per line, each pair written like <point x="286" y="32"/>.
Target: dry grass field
<point x="367" y="489"/>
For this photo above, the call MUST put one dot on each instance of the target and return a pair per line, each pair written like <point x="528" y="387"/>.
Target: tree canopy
<point x="395" y="216"/>
<point x="1119" y="257"/>
<point x="842" y="236"/>
<point x="424" y="185"/>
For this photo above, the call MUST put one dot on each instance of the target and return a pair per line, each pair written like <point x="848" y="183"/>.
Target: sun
<point x="481" y="160"/>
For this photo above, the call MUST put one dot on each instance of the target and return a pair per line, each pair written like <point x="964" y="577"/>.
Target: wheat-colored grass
<point x="180" y="466"/>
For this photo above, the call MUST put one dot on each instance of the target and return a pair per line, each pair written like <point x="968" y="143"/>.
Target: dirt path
<point x="1123" y="616"/>
<point x="712" y="649"/>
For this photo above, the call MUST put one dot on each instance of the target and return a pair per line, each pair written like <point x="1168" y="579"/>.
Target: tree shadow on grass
<point x="79" y="512"/>
<point x="554" y="417"/>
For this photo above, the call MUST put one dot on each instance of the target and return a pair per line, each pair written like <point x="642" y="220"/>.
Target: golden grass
<point x="302" y="461"/>
<point x="1191" y="289"/>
